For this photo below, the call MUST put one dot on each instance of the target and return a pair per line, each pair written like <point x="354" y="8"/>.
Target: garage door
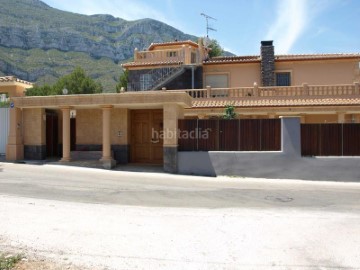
<point x="217" y="80"/>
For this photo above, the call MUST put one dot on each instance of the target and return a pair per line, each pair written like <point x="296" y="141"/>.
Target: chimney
<point x="267" y="63"/>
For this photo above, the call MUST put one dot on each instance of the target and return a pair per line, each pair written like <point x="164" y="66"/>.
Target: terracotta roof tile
<point x="289" y="57"/>
<point x="316" y="56"/>
<point x="13" y="79"/>
<point x="233" y="59"/>
<point x="216" y="103"/>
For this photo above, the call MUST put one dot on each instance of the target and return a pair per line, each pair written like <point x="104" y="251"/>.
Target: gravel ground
<point x="95" y="236"/>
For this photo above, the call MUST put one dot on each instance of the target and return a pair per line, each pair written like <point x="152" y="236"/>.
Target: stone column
<point x="15" y="146"/>
<point x="172" y="112"/>
<point x="107" y="160"/>
<point x="66" y="134"/>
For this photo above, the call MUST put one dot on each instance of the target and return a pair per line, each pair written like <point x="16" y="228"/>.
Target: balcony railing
<point x="303" y="91"/>
<point x="175" y="55"/>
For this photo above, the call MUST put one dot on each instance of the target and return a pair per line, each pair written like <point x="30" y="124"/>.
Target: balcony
<point x="177" y="55"/>
<point x="301" y="92"/>
<point x="184" y="55"/>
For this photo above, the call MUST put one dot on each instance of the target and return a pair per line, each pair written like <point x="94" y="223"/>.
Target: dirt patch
<point x="32" y="261"/>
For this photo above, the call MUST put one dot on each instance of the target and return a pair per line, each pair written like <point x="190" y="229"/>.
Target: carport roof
<point x="132" y="100"/>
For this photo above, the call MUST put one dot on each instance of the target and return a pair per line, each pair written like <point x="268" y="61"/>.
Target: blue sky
<point x="296" y="26"/>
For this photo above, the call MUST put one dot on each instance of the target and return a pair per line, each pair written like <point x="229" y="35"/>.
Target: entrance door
<point x="146" y="136"/>
<point x="52" y="131"/>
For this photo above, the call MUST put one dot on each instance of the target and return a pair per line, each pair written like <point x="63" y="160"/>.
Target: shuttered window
<point x="217" y="81"/>
<point x="283" y="79"/>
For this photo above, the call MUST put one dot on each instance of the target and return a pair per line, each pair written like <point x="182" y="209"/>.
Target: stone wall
<point x="267" y="63"/>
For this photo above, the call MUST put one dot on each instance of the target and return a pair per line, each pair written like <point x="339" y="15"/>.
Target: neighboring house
<point x="317" y="87"/>
<point x="9" y="87"/>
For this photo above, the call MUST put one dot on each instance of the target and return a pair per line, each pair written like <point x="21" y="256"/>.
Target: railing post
<point x="305" y="89"/>
<point x="163" y="89"/>
<point x="256" y="89"/>
<point x="208" y="91"/>
<point x="357" y="86"/>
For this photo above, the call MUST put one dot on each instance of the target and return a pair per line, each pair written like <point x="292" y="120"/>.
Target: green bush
<point x="9" y="262"/>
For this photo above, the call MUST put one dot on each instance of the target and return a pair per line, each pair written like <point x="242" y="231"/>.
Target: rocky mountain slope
<point x="39" y="43"/>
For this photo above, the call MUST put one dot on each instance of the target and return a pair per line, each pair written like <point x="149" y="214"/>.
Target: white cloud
<point x="292" y="16"/>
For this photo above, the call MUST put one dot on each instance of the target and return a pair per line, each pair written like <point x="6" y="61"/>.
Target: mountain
<point x="39" y="43"/>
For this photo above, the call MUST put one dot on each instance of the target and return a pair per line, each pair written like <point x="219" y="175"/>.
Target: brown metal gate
<point x="330" y="139"/>
<point x="230" y="135"/>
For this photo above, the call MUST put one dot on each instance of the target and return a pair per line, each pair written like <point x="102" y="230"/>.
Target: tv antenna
<point x="208" y="27"/>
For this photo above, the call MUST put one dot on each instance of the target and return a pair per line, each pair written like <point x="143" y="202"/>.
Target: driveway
<point x="124" y="220"/>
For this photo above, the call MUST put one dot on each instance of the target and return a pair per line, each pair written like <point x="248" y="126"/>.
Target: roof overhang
<point x="131" y="100"/>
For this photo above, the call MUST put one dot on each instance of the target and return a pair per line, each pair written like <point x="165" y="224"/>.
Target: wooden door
<point x="146" y="136"/>
<point x="52" y="138"/>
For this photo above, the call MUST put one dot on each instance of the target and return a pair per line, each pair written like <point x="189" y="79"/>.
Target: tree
<point x="229" y="112"/>
<point x="45" y="90"/>
<point x="215" y="48"/>
<point x="123" y="81"/>
<point x="76" y="83"/>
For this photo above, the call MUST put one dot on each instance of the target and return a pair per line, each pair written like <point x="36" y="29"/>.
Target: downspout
<point x="192" y="77"/>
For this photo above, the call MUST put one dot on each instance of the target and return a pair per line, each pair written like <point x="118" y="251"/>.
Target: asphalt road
<point x="86" y="185"/>
<point x="99" y="219"/>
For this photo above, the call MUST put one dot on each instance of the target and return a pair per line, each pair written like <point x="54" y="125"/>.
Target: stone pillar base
<point x="171" y="159"/>
<point x="14" y="152"/>
<point x="108" y="164"/>
<point x="65" y="159"/>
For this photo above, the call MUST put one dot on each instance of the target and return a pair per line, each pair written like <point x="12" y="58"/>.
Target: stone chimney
<point x="267" y="63"/>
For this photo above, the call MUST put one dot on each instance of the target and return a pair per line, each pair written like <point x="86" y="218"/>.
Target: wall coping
<point x="149" y="99"/>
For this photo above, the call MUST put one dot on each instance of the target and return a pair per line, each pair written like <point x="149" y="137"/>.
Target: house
<point x="319" y="88"/>
<point x="177" y="81"/>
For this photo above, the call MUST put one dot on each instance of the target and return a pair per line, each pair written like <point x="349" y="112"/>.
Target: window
<point x="283" y="79"/>
<point x="217" y="80"/>
<point x="193" y="58"/>
<point x="171" y="54"/>
<point x="145" y="82"/>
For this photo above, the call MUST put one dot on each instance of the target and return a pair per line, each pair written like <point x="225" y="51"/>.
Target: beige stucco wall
<point x="12" y="90"/>
<point x="321" y="72"/>
<point x="320" y="118"/>
<point x="34" y="126"/>
<point x="120" y="126"/>
<point x="239" y="75"/>
<point x="89" y="126"/>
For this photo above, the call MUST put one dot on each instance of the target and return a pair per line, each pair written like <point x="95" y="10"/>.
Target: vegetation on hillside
<point x="46" y="67"/>
<point x="40" y="44"/>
